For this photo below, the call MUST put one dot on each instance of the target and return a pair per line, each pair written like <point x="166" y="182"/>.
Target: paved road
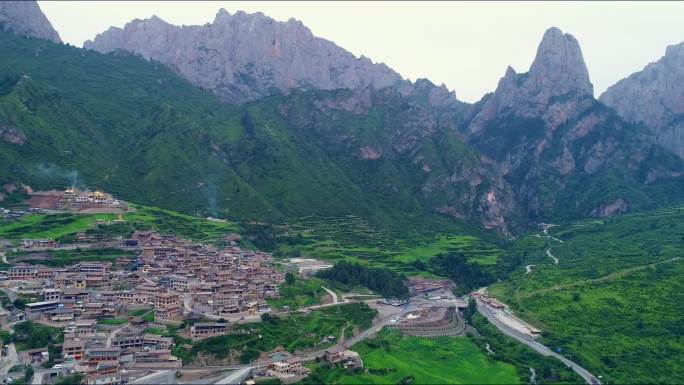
<point x="38" y="376"/>
<point x="528" y="269"/>
<point x="10" y="360"/>
<point x="236" y="377"/>
<point x="152" y="378"/>
<point x="532" y="343"/>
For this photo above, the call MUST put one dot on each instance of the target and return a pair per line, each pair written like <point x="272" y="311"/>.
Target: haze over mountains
<point x="310" y="129"/>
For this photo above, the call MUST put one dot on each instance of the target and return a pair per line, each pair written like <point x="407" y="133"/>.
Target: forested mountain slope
<point x="565" y="154"/>
<point x="138" y="130"/>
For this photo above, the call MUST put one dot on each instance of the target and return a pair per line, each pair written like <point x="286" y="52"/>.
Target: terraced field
<point x="351" y="238"/>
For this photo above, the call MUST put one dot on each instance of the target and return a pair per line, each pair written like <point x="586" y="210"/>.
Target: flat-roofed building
<point x="202" y="330"/>
<point x="167" y="312"/>
<point x="35" y="309"/>
<point x="129" y="342"/>
<point x="93" y="268"/>
<point x="104" y="379"/>
<point x="22" y="271"/>
<point x="166" y="300"/>
<point x="85" y="328"/>
<point x="157" y="342"/>
<point x="52" y="294"/>
<point x="102" y="354"/>
<point x="73" y="350"/>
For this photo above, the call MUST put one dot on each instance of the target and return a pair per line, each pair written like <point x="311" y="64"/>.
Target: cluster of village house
<point x="290" y="369"/>
<point x="168" y="275"/>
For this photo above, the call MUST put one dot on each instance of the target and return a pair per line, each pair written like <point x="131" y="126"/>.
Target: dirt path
<point x="533" y="376"/>
<point x="332" y="294"/>
<point x="528" y="269"/>
<point x="548" y="252"/>
<point x="608" y="277"/>
<point x="546" y="227"/>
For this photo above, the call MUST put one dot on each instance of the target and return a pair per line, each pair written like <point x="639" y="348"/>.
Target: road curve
<point x="532" y="343"/>
<point x="335" y="300"/>
<point x="548" y="252"/>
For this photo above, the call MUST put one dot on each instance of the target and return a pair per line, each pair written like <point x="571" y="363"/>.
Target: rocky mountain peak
<point x="26" y="18"/>
<point x="654" y="96"/>
<point x="243" y="57"/>
<point x="559" y="68"/>
<point x="675" y="53"/>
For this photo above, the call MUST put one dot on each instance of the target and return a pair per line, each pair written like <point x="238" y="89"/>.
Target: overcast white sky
<point x="464" y="45"/>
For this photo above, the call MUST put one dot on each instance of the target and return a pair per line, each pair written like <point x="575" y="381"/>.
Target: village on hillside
<point x="112" y="314"/>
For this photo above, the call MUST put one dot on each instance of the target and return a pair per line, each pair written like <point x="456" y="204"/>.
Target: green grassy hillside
<point x="614" y="300"/>
<point x="394" y="359"/>
<point x="134" y="128"/>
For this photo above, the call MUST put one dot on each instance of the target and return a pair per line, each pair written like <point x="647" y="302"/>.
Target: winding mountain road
<point x="548" y="252"/>
<point x="546" y="227"/>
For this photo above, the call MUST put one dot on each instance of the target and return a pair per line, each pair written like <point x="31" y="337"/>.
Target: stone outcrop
<point x="550" y="137"/>
<point x="244" y="57"/>
<point x="12" y="135"/>
<point x="25" y="18"/>
<point x="558" y="71"/>
<point x="654" y="96"/>
<point x="412" y="140"/>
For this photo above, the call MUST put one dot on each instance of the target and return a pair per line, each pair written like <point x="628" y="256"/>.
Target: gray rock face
<point x="12" y="135"/>
<point x="549" y="137"/>
<point x="25" y="18"/>
<point x="558" y="71"/>
<point x="244" y="57"/>
<point x="655" y="96"/>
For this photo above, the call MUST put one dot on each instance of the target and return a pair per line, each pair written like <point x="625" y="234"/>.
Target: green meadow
<point x="392" y="358"/>
<point x="614" y="301"/>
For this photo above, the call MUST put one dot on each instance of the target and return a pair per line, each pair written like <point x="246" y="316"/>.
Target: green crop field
<point x="112" y="321"/>
<point x="613" y="303"/>
<point x="351" y="238"/>
<point x="392" y="358"/>
<point x="50" y="226"/>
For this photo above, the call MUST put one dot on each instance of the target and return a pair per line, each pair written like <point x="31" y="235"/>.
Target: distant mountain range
<point x="297" y="125"/>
